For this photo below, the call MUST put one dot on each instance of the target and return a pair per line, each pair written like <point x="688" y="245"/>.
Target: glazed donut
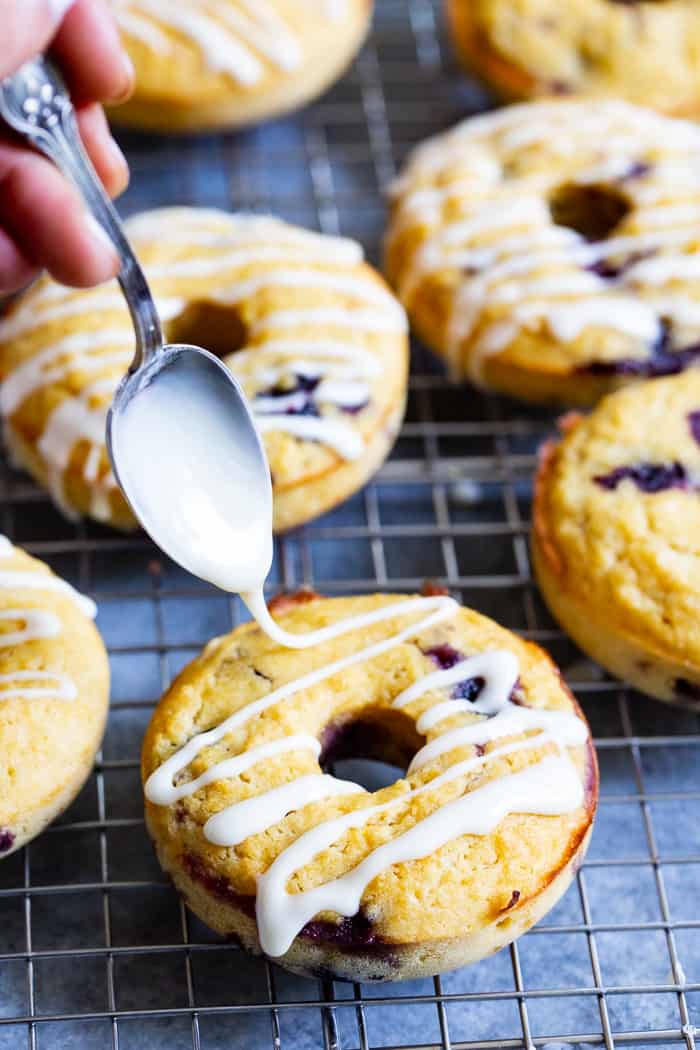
<point x="312" y="333"/>
<point x="551" y="251"/>
<point x="226" y="63"/>
<point x="616" y="535"/>
<point x="54" y="690"/>
<point x="644" y="52"/>
<point x="462" y="854"/>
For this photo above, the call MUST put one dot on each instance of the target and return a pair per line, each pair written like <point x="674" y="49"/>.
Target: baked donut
<point x="313" y="334"/>
<point x="462" y="854"/>
<point x="225" y="63"/>
<point x="551" y="251"/>
<point x="54" y="691"/>
<point x="616" y="537"/>
<point x="645" y="52"/>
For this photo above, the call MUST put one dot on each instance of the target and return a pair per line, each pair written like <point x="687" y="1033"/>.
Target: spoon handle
<point x="36" y="103"/>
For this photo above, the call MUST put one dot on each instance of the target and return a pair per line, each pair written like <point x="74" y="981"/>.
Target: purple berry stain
<point x="306" y="404"/>
<point x="445" y="656"/>
<point x="7" y="840"/>
<point x="661" y="360"/>
<point x="694" y="424"/>
<point x="648" y="477"/>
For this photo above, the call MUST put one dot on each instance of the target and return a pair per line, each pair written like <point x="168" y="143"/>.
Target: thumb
<point x="27" y="28"/>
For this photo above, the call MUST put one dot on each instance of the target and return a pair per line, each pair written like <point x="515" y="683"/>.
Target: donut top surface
<point x="644" y="51"/>
<point x="619" y="511"/>
<point x="220" y="42"/>
<point x="559" y="236"/>
<point x="497" y="797"/>
<point x="312" y="333"/>
<point x="53" y="686"/>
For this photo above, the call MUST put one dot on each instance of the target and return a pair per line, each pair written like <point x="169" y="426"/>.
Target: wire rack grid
<point x="96" y="949"/>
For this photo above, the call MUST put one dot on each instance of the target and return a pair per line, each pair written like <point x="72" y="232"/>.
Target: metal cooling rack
<point x="96" y="950"/>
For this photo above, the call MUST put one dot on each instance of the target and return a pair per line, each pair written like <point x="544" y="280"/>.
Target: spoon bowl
<point x="188" y="458"/>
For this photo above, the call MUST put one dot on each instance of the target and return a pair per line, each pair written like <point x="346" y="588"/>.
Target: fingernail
<point x="117" y="157"/>
<point x="129" y="76"/>
<point x="58" y="9"/>
<point x="100" y="236"/>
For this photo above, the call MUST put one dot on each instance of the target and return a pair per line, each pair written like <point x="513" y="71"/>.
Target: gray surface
<point x="88" y="927"/>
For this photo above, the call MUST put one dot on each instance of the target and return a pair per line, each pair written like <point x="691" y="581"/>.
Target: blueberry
<point x="694" y="424"/>
<point x="7" y="840"/>
<point x="468" y="690"/>
<point x="648" y="477"/>
<point x="444" y="656"/>
<point x="662" y="360"/>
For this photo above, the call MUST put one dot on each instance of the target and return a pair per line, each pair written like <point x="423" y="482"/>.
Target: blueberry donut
<point x="639" y="50"/>
<point x="54" y="689"/>
<point x="459" y="856"/>
<point x="226" y="63"/>
<point x="551" y="251"/>
<point x="616" y="537"/>
<point x="313" y="334"/>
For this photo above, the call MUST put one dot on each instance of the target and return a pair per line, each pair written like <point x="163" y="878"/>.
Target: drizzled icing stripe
<point x="647" y="156"/>
<point x="10" y="580"/>
<point x="232" y="37"/>
<point x="252" y="255"/>
<point x="37" y="624"/>
<point x="281" y="915"/>
<point x="56" y="686"/>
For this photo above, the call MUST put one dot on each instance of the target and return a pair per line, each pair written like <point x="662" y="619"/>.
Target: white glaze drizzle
<point x="280" y="915"/>
<point x="57" y="686"/>
<point x="343" y="363"/>
<point x="232" y="37"/>
<point x="36" y="624"/>
<point x="232" y="825"/>
<point x="487" y="205"/>
<point x="40" y="581"/>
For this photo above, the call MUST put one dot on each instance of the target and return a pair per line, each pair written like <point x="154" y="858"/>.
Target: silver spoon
<point x="35" y="102"/>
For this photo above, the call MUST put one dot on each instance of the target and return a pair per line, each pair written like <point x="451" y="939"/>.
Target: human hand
<point x="43" y="222"/>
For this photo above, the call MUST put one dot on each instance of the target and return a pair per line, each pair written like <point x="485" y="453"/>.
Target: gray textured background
<point x="92" y="939"/>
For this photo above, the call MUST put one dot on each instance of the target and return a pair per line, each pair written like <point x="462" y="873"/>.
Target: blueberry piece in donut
<point x="694" y="424"/>
<point x="444" y="655"/>
<point x="7" y="840"/>
<point x="648" y="477"/>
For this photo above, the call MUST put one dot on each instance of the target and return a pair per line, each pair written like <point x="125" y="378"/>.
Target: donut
<point x="312" y="333"/>
<point x="551" y="251"/>
<point x="459" y="856"/>
<point x="616" y="535"/>
<point x="228" y="63"/>
<point x="54" y="691"/>
<point x="643" y="52"/>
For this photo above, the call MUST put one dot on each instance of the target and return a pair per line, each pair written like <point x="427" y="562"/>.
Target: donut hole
<point x="218" y="328"/>
<point x="373" y="748"/>
<point x="592" y="211"/>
